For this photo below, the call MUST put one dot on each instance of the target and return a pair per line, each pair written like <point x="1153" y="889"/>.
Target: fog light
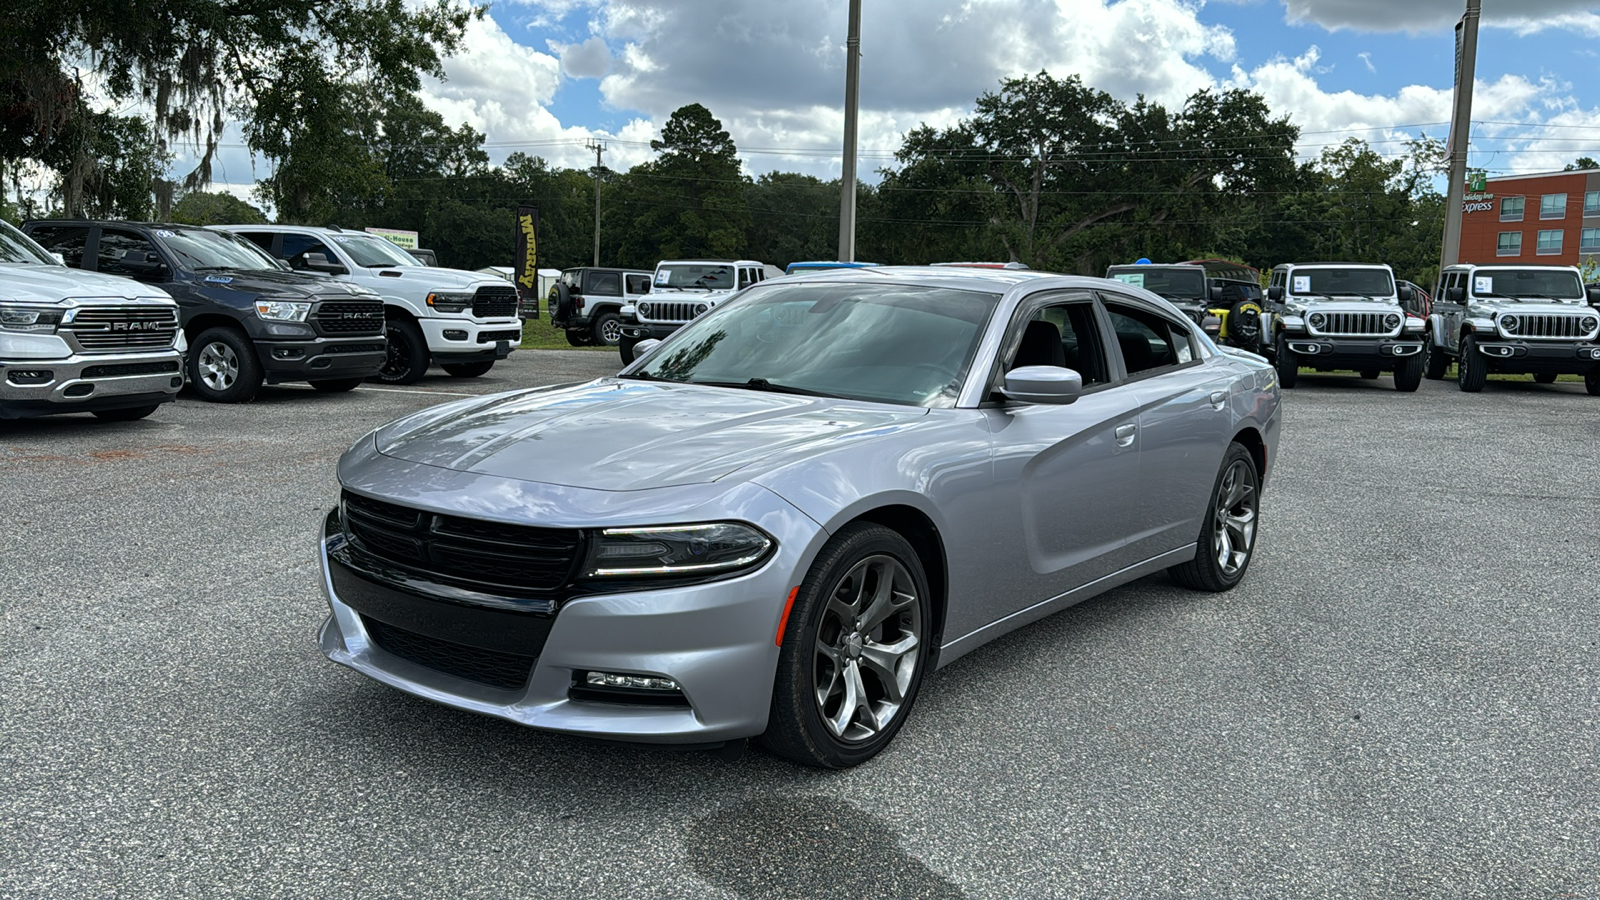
<point x="454" y="334"/>
<point x="81" y="389"/>
<point x="30" y="376"/>
<point x="635" y="682"/>
<point x="287" y="353"/>
<point x="177" y="381"/>
<point x="1594" y="354"/>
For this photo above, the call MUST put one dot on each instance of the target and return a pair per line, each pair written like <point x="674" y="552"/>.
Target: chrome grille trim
<point x="1547" y="326"/>
<point x="668" y="311"/>
<point x="1353" y="324"/>
<point x="108" y="329"/>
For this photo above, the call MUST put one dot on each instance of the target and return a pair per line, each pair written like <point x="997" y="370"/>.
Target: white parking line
<point x="405" y="391"/>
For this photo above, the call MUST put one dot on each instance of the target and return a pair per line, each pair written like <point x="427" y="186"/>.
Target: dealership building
<point x="1548" y="219"/>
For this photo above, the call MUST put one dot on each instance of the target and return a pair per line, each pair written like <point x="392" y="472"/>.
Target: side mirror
<point x="645" y="347"/>
<point x="1042" y="384"/>
<point x="60" y="260"/>
<point x="1275" y="293"/>
<point x="1455" y="295"/>
<point x="1216" y="293"/>
<point x="141" y="262"/>
<point x="1407" y="295"/>
<point x="318" y="262"/>
<point x="1593" y="290"/>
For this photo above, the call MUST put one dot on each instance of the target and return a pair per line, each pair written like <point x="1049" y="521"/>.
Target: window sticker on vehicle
<point x="1134" y="278"/>
<point x="162" y="232"/>
<point x="662" y="276"/>
<point x="1483" y="285"/>
<point x="342" y="240"/>
<point x="1302" y="284"/>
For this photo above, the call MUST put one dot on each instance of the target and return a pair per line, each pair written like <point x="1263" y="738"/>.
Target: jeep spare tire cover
<point x="561" y="302"/>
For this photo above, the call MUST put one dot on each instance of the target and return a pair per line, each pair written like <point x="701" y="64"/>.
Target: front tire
<point x="854" y="651"/>
<point x="1437" y="363"/>
<point x="1227" y="539"/>
<point x="468" y="370"/>
<point x="1472" y="370"/>
<point x="625" y="346"/>
<point x="1545" y="377"/>
<point x="1288" y="363"/>
<point x="223" y="366"/>
<point x="1408" y="373"/>
<point x="1591" y="382"/>
<point x="1370" y="374"/>
<point x="408" y="354"/>
<point x="127" y="414"/>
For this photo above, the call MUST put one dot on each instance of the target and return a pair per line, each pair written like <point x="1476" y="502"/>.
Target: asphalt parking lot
<point x="1400" y="700"/>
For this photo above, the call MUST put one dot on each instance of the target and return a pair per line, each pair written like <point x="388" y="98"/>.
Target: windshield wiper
<point x="762" y="384"/>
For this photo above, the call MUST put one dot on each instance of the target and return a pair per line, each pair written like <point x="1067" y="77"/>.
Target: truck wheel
<point x="1408" y="373"/>
<point x="578" y="339"/>
<point x="606" y="329"/>
<point x="1437" y="362"/>
<point x="1591" y="381"/>
<point x="1288" y="363"/>
<point x="1228" y="530"/>
<point x="223" y="367"/>
<point x="337" y="385"/>
<point x="1472" y="370"/>
<point x="1244" y="326"/>
<point x="408" y="354"/>
<point x="1545" y="377"/>
<point x="625" y="346"/>
<point x="1371" y="374"/>
<point x="468" y="370"/>
<point x="127" y="414"/>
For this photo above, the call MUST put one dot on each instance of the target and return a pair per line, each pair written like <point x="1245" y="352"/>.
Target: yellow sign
<point x="530" y="253"/>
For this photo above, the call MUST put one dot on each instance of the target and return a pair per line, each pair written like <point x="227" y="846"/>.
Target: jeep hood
<point x="623" y="435"/>
<point x="52" y="284"/>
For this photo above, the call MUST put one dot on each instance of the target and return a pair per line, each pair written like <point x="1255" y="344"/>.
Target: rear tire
<point x="854" y="650"/>
<point x="1227" y="539"/>
<point x="1408" y="373"/>
<point x="467" y="370"/>
<point x="127" y="414"/>
<point x="1472" y="370"/>
<point x="223" y="367"/>
<point x="337" y="385"/>
<point x="1545" y="377"/>
<point x="408" y="354"/>
<point x="1244" y="326"/>
<point x="1288" y="363"/>
<point x="1437" y="362"/>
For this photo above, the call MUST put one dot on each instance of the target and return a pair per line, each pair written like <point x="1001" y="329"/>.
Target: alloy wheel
<point x="218" y="366"/>
<point x="1234" y="531"/>
<point x="866" y="649"/>
<point x="610" y="332"/>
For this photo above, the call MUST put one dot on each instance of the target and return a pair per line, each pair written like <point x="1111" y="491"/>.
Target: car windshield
<point x="885" y="343"/>
<point x="1543" y="284"/>
<point x="695" y="276"/>
<point x="373" y="252"/>
<point x="1341" y="283"/>
<point x="1174" y="284"/>
<point x="17" y="248"/>
<point x="201" y="249"/>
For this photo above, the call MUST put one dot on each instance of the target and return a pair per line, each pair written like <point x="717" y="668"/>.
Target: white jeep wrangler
<point x="683" y="289"/>
<point x="1514" y="319"/>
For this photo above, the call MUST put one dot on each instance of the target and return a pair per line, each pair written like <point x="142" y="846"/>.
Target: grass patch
<point x="539" y="334"/>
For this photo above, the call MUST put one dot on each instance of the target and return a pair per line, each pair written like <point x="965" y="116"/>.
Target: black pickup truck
<point x="248" y="319"/>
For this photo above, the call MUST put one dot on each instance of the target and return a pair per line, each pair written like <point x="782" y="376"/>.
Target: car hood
<point x="624" y="435"/>
<point x="1533" y="307"/>
<point x="284" y="284"/>
<point x="52" y="284"/>
<point x="443" y="279"/>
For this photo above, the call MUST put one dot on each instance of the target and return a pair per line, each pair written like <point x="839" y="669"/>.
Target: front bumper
<point x="319" y="358"/>
<point x="1528" y="357"/>
<point x="1354" y="353"/>
<point x="716" y="640"/>
<point x="88" y="383"/>
<point x="640" y="331"/>
<point x="471" y="339"/>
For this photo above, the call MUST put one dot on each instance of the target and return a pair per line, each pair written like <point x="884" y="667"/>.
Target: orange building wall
<point x="1480" y="229"/>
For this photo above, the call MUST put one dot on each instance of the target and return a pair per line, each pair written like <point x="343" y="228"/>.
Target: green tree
<point x="688" y="202"/>
<point x="207" y="208"/>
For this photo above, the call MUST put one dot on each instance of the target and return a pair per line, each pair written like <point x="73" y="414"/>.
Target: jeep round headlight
<point x="1391" y="321"/>
<point x="715" y="548"/>
<point x="700" y="309"/>
<point x="1318" y="320"/>
<point x="1508" y="324"/>
<point x="644" y="308"/>
<point x="32" y="319"/>
<point x="282" y="310"/>
<point x="1589" y="324"/>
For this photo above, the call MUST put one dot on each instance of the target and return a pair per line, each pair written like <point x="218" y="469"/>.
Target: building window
<point x="1591" y="203"/>
<point x="1553" y="206"/>
<point x="1589" y="241"/>
<point x="1511" y="209"/>
<point x="1550" y="242"/>
<point x="1510" y="244"/>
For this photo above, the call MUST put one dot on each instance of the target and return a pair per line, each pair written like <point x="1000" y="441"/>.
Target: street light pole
<point x="1460" y="131"/>
<point x="598" y="149"/>
<point x="852" y="104"/>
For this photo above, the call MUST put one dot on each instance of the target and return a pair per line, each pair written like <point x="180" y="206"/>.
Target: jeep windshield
<point x="897" y="344"/>
<point x="373" y="252"/>
<point x="694" y="277"/>
<point x="1372" y="284"/>
<point x="17" y="248"/>
<point x="203" y="250"/>
<point x="1527" y="284"/>
<point x="1173" y="284"/>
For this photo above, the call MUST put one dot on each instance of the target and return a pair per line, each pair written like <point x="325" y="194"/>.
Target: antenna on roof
<point x="333" y="227"/>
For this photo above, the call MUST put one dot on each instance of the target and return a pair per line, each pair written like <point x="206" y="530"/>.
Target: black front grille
<point x="485" y="556"/>
<point x="111" y="328"/>
<point x="349" y="317"/>
<point x="126" y="370"/>
<point x="355" y="348"/>
<point x="489" y="337"/>
<point x="507" y="671"/>
<point x="494" y="300"/>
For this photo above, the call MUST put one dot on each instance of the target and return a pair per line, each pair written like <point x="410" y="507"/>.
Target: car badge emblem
<point x="220" y="279"/>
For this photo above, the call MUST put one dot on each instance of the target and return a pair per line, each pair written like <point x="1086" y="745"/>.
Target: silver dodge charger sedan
<point x="779" y="520"/>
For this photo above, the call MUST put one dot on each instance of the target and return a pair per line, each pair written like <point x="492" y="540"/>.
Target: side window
<point x="296" y="246"/>
<point x="1064" y="335"/>
<point x="746" y="278"/>
<point x="67" y="240"/>
<point x="603" y="284"/>
<point x="113" y="243"/>
<point x="260" y="239"/>
<point x="1148" y="341"/>
<point x="637" y="284"/>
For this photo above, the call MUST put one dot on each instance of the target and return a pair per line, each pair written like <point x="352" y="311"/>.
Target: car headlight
<point x="449" y="301"/>
<point x="282" y="310"/>
<point x="1391" y="321"/>
<point x="1318" y="320"/>
<point x="1589" y="324"/>
<point x="715" y="548"/>
<point x="1508" y="324"/>
<point x="32" y="319"/>
<point x="644" y="308"/>
<point x="700" y="309"/>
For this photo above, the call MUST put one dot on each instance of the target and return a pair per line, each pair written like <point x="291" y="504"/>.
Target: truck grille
<point x="489" y="337"/>
<point x="507" y="671"/>
<point x="1357" y="324"/>
<point x="493" y="301"/>
<point x="349" y="317"/>
<point x="354" y="348"/>
<point x="486" y="556"/>
<point x="1549" y="327"/>
<point x="128" y="370"/>
<point x="110" y="328"/>
<point x="667" y="310"/>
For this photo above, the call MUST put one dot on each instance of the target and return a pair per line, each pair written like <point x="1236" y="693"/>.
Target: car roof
<point x="1348" y="265"/>
<point x="959" y="278"/>
<point x="1182" y="265"/>
<point x="124" y="223"/>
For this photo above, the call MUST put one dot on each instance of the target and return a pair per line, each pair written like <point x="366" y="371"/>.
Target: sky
<point x="544" y="77"/>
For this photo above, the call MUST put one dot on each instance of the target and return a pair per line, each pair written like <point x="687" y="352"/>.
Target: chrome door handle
<point x="1219" y="399"/>
<point x="1125" y="434"/>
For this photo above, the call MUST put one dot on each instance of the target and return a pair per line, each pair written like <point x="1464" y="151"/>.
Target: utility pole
<point x="852" y="103"/>
<point x="598" y="149"/>
<point x="1460" y="131"/>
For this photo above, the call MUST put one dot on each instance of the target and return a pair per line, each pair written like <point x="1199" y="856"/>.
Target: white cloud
<point x="1366" y="58"/>
<point x="1422" y="15"/>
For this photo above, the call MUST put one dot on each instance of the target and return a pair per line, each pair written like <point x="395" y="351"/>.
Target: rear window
<point x="1180" y="284"/>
